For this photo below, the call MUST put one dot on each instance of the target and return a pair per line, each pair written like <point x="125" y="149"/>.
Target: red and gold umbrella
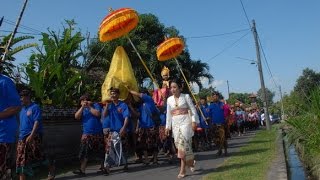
<point x="119" y="23"/>
<point x="170" y="49"/>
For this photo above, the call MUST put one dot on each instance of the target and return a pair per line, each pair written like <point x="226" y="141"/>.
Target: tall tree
<point x="270" y="96"/>
<point x="236" y="97"/>
<point x="307" y="82"/>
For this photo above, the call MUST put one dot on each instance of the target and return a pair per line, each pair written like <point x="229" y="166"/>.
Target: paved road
<point x="206" y="162"/>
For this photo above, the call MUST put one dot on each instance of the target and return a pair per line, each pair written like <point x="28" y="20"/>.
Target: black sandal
<point x="79" y="172"/>
<point x="125" y="168"/>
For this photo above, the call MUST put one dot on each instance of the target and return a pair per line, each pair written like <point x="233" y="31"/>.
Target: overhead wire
<point x="21" y="26"/>
<point x="18" y="32"/>
<point x="259" y="41"/>
<point x="245" y="13"/>
<point x="215" y="35"/>
<point x="267" y="63"/>
<point x="227" y="47"/>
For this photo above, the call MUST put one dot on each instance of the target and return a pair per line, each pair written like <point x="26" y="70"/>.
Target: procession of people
<point x="166" y="121"/>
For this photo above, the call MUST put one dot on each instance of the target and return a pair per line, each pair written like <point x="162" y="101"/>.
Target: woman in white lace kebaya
<point x="182" y="120"/>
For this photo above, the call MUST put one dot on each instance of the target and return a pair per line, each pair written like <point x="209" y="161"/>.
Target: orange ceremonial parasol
<point x="170" y="49"/>
<point x="119" y="23"/>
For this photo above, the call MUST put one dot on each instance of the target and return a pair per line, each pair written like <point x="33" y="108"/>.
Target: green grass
<point x="253" y="160"/>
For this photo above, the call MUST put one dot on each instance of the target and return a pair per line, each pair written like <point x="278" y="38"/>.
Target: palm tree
<point x="7" y="67"/>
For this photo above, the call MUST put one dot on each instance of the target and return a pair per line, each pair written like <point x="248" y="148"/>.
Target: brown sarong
<point x="29" y="155"/>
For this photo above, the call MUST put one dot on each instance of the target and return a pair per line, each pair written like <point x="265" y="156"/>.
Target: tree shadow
<point x="246" y="143"/>
<point x="224" y="168"/>
<point x="249" y="152"/>
<point x="133" y="168"/>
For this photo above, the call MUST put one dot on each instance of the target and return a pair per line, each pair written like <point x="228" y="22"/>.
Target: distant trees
<point x="269" y="94"/>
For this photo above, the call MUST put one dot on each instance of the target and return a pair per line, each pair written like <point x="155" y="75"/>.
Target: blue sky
<point x="288" y="29"/>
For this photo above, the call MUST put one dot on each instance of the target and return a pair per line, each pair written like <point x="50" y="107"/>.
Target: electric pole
<point x="228" y="89"/>
<point x="263" y="88"/>
<point x="14" y="31"/>
<point x="282" y="108"/>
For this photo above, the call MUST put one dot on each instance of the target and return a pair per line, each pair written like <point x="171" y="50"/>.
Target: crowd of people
<point x="167" y="120"/>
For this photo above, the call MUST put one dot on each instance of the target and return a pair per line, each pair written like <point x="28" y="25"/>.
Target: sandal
<point x="106" y="171"/>
<point x="79" y="172"/>
<point x="180" y="176"/>
<point x="125" y="168"/>
<point x="193" y="167"/>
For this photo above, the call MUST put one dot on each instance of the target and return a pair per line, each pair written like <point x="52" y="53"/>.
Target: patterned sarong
<point x="30" y="155"/>
<point x="147" y="139"/>
<point x="91" y="147"/>
<point x="219" y="136"/>
<point x="185" y="149"/>
<point x="6" y="159"/>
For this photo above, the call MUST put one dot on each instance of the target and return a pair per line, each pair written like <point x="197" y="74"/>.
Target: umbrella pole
<point x="145" y="66"/>
<point x="143" y="63"/>
<point x="194" y="98"/>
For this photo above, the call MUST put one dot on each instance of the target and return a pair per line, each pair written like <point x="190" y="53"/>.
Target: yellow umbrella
<point x="170" y="49"/>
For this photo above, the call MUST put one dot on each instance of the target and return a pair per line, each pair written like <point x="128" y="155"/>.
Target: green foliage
<point x="7" y="67"/>
<point x="304" y="131"/>
<point x="307" y="82"/>
<point x="293" y="104"/>
<point x="242" y="97"/>
<point x="205" y="92"/>
<point x="269" y="93"/>
<point x="54" y="70"/>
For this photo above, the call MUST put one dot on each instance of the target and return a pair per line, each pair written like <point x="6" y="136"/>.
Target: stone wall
<point x="62" y="132"/>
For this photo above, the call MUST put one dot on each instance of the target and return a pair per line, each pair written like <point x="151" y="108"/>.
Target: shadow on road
<point x="224" y="168"/>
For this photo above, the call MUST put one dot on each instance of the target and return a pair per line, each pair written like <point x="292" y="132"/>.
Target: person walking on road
<point x="182" y="124"/>
<point x="9" y="107"/>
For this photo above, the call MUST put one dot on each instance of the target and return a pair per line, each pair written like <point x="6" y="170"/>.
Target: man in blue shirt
<point x="116" y="120"/>
<point x="146" y="128"/>
<point x="202" y="135"/>
<point x="218" y="123"/>
<point x="9" y="107"/>
<point x="30" y="151"/>
<point x="91" y="145"/>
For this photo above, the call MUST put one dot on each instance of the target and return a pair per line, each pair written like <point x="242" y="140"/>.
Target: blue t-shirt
<point x="28" y="116"/>
<point x="163" y="117"/>
<point x="116" y="116"/>
<point x="239" y="115"/>
<point x="206" y="112"/>
<point x="91" y="124"/>
<point x="217" y="112"/>
<point x="9" y="97"/>
<point x="146" y="109"/>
